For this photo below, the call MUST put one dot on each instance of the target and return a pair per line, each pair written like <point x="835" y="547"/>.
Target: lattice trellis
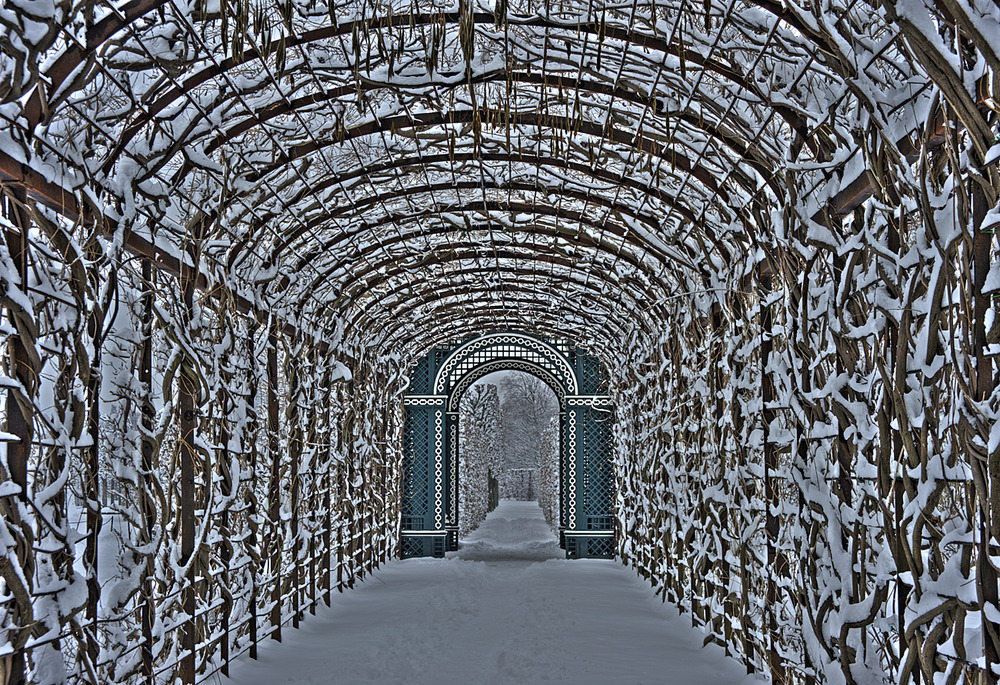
<point x="416" y="468"/>
<point x="506" y="346"/>
<point x="593" y="378"/>
<point x="748" y="209"/>
<point x="594" y="456"/>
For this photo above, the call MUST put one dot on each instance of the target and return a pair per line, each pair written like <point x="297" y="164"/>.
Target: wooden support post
<point x="776" y="563"/>
<point x="989" y="533"/>
<point x="92" y="482"/>
<point x="891" y="486"/>
<point x="340" y="555"/>
<point x="295" y="438"/>
<point x="147" y="503"/>
<point x="253" y="522"/>
<point x="677" y="580"/>
<point x="274" y="486"/>
<point x="19" y="424"/>
<point x="700" y="597"/>
<point x="728" y="608"/>
<point x="187" y="390"/>
<point x="226" y="489"/>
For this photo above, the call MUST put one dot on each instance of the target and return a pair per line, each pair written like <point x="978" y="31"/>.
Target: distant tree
<point x="527" y="408"/>
<point x="548" y="472"/>
<point x="480" y="455"/>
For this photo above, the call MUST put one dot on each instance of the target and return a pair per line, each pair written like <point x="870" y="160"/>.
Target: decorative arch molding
<point x="488" y="347"/>
<point x="431" y="446"/>
<point x="504" y="365"/>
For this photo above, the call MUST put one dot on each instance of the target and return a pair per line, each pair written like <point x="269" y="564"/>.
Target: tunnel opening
<point x="509" y="446"/>
<point x="436" y="386"/>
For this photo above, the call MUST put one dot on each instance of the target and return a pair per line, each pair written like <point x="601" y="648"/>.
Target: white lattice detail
<point x="504" y="365"/>
<point x="426" y="401"/>
<point x="454" y="472"/>
<point x="438" y="468"/>
<point x="590" y="401"/>
<point x="480" y="350"/>
<point x="571" y="468"/>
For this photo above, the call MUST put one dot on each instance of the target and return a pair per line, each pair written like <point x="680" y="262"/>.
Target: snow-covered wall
<point x="240" y="475"/>
<point x="804" y="465"/>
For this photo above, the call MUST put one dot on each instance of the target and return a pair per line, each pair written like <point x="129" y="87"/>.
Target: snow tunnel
<point x="252" y="250"/>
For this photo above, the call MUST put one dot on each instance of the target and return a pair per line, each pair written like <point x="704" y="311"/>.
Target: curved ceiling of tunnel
<point x="413" y="171"/>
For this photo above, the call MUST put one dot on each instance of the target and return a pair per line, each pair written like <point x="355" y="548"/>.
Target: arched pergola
<point x="431" y="445"/>
<point x="236" y="234"/>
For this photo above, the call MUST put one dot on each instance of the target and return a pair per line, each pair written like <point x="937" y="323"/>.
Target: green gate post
<point x="423" y="531"/>
<point x="452" y="491"/>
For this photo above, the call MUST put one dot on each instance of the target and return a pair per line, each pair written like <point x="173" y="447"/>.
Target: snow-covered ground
<point x="506" y="608"/>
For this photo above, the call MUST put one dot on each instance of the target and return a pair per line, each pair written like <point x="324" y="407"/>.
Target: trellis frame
<point x="629" y="160"/>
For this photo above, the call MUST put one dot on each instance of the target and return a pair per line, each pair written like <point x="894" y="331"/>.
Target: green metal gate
<point x="430" y="440"/>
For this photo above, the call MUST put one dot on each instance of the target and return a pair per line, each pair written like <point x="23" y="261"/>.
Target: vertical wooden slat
<point x="187" y="390"/>
<point x="18" y="424"/>
<point x="146" y="502"/>
<point x="718" y="412"/>
<point x="295" y="437"/>
<point x="274" y="486"/>
<point x="92" y="484"/>
<point x="772" y="501"/>
<point x="989" y="533"/>
<point x="225" y="532"/>
<point x="745" y="490"/>
<point x="253" y="522"/>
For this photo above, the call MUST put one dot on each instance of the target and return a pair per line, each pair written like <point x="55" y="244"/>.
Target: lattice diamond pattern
<point x="411" y="547"/>
<point x="416" y="433"/>
<point x="421" y="378"/>
<point x="594" y="457"/>
<point x="592" y="378"/>
<point x="601" y="547"/>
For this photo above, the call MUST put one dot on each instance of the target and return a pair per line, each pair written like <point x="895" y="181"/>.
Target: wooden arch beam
<point x="485" y="317"/>
<point x="389" y="267"/>
<point x="485" y="208"/>
<point x="500" y="117"/>
<point x="425" y="161"/>
<point x="632" y="291"/>
<point x="457" y="327"/>
<point x="393" y="316"/>
<point x="419" y="189"/>
<point x="282" y="107"/>
<point x="594" y="28"/>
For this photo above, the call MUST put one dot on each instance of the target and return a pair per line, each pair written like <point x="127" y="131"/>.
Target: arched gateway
<point x="430" y="440"/>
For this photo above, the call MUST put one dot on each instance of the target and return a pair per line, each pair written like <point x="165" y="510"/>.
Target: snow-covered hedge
<point x="804" y="465"/>
<point x="481" y="456"/>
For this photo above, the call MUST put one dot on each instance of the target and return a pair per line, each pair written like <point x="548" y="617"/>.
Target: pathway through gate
<point x="507" y="607"/>
<point x="431" y="447"/>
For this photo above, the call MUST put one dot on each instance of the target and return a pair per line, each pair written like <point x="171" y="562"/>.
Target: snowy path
<point x="505" y="608"/>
